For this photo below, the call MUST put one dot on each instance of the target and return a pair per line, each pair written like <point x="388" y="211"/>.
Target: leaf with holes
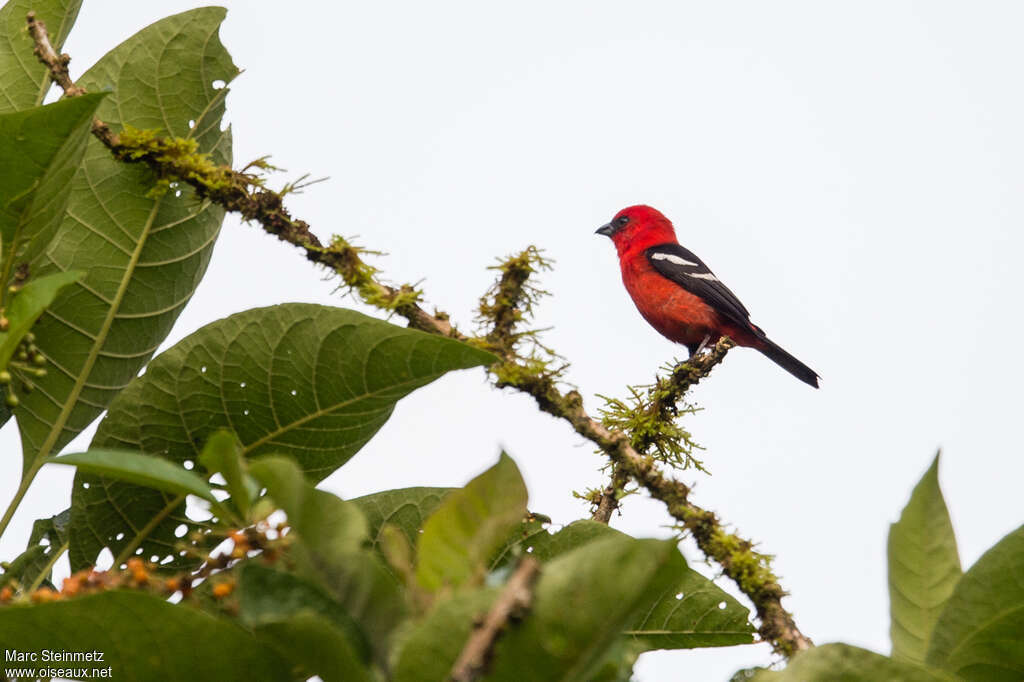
<point x="142" y="637"/>
<point x="693" y="612"/>
<point x="145" y="470"/>
<point x="406" y="509"/>
<point x="308" y="381"/>
<point x="924" y="567"/>
<point x="143" y="254"/>
<point x="24" y="81"/>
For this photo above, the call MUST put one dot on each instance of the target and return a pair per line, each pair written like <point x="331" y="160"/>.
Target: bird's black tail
<point x="787" y="362"/>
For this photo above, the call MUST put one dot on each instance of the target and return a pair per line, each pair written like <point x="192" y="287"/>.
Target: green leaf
<point x="431" y="647"/>
<point x="222" y="454"/>
<point x="515" y="546"/>
<point x="331" y="551"/>
<point x="146" y="470"/>
<point x="845" y="663"/>
<point x="22" y="566"/>
<point x="405" y="509"/>
<point x="330" y="527"/>
<point x="309" y="627"/>
<point x="26" y="307"/>
<point x="142" y="637"/>
<point x="691" y="613"/>
<point x="316" y="647"/>
<point x="143" y="254"/>
<point x="564" y="636"/>
<point x="978" y="633"/>
<point x="346" y="371"/>
<point x="577" y="534"/>
<point x="924" y="567"/>
<point x="469" y="526"/>
<point x="24" y="81"/>
<point x="42" y="150"/>
<point x="54" y="532"/>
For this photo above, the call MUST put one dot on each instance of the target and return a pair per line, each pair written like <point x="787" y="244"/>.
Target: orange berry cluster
<point x="142" y="575"/>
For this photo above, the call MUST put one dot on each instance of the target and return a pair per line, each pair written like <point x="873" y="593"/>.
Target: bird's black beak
<point x="606" y="230"/>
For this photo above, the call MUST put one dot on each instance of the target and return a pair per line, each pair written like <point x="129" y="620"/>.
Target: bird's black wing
<point x="684" y="268"/>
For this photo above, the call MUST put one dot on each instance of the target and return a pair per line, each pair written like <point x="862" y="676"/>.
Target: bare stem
<point x="513" y="602"/>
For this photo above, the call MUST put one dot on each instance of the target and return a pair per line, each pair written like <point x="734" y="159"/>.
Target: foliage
<point x="273" y="578"/>
<point x="946" y="625"/>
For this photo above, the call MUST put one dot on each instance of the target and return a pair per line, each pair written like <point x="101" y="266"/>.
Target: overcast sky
<point x="852" y="171"/>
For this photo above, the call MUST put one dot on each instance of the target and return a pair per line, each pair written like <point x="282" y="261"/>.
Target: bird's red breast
<point x="676" y="313"/>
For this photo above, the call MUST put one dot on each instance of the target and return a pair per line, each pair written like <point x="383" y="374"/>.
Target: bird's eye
<point x="622" y="220"/>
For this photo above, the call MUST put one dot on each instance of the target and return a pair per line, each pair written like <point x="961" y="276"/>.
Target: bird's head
<point x="638" y="227"/>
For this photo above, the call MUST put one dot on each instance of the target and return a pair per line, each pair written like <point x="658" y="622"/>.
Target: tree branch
<point x="515" y="599"/>
<point x="243" y="193"/>
<point x="652" y="422"/>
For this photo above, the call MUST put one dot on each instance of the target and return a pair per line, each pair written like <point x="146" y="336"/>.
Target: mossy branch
<point x="650" y="419"/>
<point x="534" y="373"/>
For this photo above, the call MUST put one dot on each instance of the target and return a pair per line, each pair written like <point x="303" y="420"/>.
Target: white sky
<point x="852" y="172"/>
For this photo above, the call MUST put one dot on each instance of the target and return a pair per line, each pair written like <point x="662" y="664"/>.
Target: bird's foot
<point x="702" y="347"/>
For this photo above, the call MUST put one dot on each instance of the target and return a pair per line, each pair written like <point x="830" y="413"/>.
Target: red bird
<point x="679" y="296"/>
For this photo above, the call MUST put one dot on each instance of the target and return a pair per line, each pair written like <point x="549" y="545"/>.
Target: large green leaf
<point x="431" y="647"/>
<point x="316" y="647"/>
<point x="330" y="550"/>
<point x="141" y="637"/>
<point x="302" y="622"/>
<point x="309" y="381"/>
<point x="330" y="527"/>
<point x="924" y="567"/>
<point x="564" y="636"/>
<point x="693" y="612"/>
<point x="24" y="81"/>
<point x="42" y="150"/>
<point x="979" y="633"/>
<point x="145" y="470"/>
<point x="469" y="526"/>
<point x="405" y="508"/>
<point x="144" y="254"/>
<point x="845" y="663"/>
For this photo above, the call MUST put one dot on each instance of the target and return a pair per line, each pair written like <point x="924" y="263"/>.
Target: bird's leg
<point x="702" y="346"/>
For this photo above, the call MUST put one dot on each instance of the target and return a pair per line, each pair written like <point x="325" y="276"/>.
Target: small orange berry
<point x="72" y="585"/>
<point x="43" y="595"/>
<point x="6" y="594"/>
<point x="221" y="590"/>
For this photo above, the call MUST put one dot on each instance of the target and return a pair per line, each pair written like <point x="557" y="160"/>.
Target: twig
<point x="609" y="501"/>
<point x="236" y="191"/>
<point x="662" y="405"/>
<point x="512" y="603"/>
